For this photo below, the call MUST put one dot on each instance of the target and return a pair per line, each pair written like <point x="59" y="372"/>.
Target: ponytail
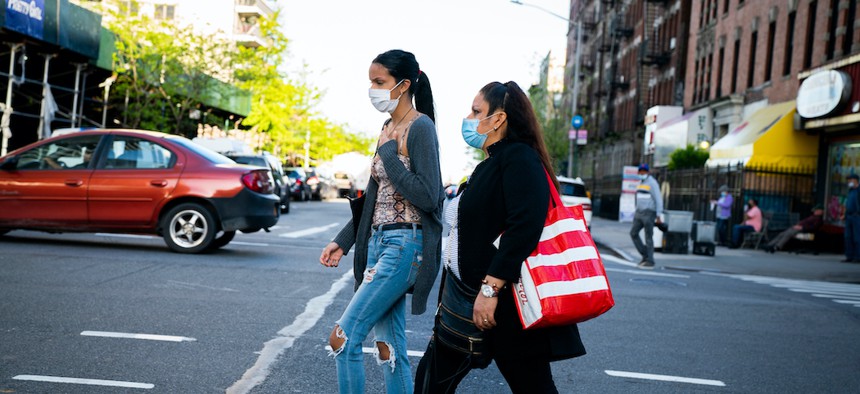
<point x="402" y="65"/>
<point x="423" y="95"/>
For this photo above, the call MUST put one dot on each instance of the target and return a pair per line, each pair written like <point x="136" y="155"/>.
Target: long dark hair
<point x="522" y="121"/>
<point x="402" y="65"/>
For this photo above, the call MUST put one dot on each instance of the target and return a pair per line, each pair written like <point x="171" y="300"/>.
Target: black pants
<point x="447" y="368"/>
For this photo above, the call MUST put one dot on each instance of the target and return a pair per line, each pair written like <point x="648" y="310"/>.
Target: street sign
<point x="576" y="122"/>
<point x="580" y="136"/>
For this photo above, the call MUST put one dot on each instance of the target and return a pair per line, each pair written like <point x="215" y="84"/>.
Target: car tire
<point x="223" y="240"/>
<point x="188" y="228"/>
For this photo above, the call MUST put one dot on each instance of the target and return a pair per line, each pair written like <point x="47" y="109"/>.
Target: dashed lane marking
<point x="128" y="335"/>
<point x="90" y="382"/>
<point x="664" y="378"/>
<point x="840" y="293"/>
<point x="248" y="243"/>
<point x="309" y="231"/>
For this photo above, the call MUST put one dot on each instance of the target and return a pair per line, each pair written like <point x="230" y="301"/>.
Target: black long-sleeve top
<point x="507" y="195"/>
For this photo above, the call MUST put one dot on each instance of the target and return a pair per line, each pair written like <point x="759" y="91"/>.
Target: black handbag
<point x="454" y="326"/>
<point x="356" y="205"/>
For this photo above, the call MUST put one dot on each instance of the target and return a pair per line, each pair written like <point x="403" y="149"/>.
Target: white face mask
<point x="643" y="176"/>
<point x="381" y="98"/>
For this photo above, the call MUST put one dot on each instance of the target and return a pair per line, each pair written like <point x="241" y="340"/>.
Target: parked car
<point x="134" y="182"/>
<point x="267" y="160"/>
<point x="321" y="184"/>
<point x="300" y="190"/>
<point x="345" y="184"/>
<point x="573" y="193"/>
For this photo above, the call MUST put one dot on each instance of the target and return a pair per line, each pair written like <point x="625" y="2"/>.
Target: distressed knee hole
<point x="369" y="274"/>
<point x="385" y="354"/>
<point x="337" y="340"/>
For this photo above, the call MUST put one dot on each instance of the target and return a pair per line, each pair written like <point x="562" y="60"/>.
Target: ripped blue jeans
<point x="393" y="260"/>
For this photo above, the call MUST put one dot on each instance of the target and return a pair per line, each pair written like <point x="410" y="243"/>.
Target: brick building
<point x="633" y="58"/>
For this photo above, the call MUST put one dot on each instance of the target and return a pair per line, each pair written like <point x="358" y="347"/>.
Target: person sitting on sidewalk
<point x="810" y="224"/>
<point x="752" y="222"/>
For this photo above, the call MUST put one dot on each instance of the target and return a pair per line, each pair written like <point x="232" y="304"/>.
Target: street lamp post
<point x="571" y="149"/>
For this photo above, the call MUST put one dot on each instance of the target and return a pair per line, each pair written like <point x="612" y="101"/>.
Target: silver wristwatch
<point x="488" y="291"/>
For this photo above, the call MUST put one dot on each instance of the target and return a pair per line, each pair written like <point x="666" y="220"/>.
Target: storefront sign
<point x="823" y="93"/>
<point x="25" y="17"/>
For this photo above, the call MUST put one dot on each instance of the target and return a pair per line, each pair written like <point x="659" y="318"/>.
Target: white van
<point x="573" y="193"/>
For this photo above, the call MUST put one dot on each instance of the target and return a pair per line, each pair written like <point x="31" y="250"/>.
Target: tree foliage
<point x="689" y="157"/>
<point x="553" y="123"/>
<point x="164" y="69"/>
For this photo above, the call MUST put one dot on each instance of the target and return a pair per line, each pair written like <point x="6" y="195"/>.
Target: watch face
<point x="487" y="291"/>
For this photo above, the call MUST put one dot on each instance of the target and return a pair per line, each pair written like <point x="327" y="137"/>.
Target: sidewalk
<point x="823" y="267"/>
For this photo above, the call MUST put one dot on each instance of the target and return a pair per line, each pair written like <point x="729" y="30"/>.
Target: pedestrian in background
<point x="852" y="221"/>
<point x="809" y="224"/>
<point x="399" y="234"/>
<point x="649" y="207"/>
<point x="490" y="206"/>
<point x="752" y="222"/>
<point x="724" y="214"/>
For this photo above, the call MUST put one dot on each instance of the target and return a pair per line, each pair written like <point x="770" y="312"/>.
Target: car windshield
<point x="573" y="189"/>
<point x="203" y="151"/>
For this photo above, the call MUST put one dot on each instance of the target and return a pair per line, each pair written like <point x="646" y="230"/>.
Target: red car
<point x="130" y="181"/>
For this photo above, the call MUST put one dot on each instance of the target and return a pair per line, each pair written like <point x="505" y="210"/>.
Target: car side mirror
<point x="10" y="163"/>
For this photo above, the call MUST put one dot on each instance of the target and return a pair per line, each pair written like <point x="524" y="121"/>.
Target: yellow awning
<point x="767" y="138"/>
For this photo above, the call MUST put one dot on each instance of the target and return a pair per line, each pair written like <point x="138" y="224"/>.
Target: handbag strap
<point x="554" y="198"/>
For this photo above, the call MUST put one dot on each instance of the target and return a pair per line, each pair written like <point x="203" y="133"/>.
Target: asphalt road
<point x="255" y="317"/>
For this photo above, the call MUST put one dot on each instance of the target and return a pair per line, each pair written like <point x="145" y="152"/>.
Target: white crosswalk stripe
<point x="842" y="293"/>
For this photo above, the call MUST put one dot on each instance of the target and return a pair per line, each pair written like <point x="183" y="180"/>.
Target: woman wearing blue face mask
<point x="506" y="198"/>
<point x="398" y="237"/>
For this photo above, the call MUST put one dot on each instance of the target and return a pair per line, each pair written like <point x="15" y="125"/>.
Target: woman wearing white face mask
<point x="399" y="235"/>
<point x="507" y="194"/>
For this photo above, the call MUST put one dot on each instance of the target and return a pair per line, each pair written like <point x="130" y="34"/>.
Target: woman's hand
<point x="388" y="134"/>
<point x="483" y="314"/>
<point x="331" y="255"/>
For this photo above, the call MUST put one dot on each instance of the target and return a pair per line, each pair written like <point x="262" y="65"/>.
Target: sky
<point x="460" y="45"/>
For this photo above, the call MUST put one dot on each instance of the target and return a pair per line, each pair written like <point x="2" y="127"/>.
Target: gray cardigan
<point x="423" y="188"/>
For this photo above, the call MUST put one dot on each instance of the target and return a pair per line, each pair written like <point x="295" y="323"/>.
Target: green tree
<point x="163" y="68"/>
<point x="552" y="121"/>
<point x="689" y="157"/>
<point x="283" y="107"/>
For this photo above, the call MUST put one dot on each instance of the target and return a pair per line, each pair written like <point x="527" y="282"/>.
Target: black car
<point x="300" y="190"/>
<point x="267" y="160"/>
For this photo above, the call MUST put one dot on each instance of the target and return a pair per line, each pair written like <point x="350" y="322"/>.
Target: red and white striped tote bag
<point x="563" y="280"/>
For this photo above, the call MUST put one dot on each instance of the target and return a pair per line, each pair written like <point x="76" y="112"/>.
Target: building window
<point x="834" y="21"/>
<point x="737" y="59"/>
<point x="789" y="43"/>
<point x="128" y="7"/>
<point x="751" y="67"/>
<point x="709" y="80"/>
<point x="849" y="28"/>
<point x="768" y="63"/>
<point x="719" y="79"/>
<point x="810" y="35"/>
<point x="164" y="11"/>
<point x="726" y="6"/>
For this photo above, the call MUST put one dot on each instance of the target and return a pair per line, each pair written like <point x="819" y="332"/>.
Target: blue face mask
<point x="470" y="132"/>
